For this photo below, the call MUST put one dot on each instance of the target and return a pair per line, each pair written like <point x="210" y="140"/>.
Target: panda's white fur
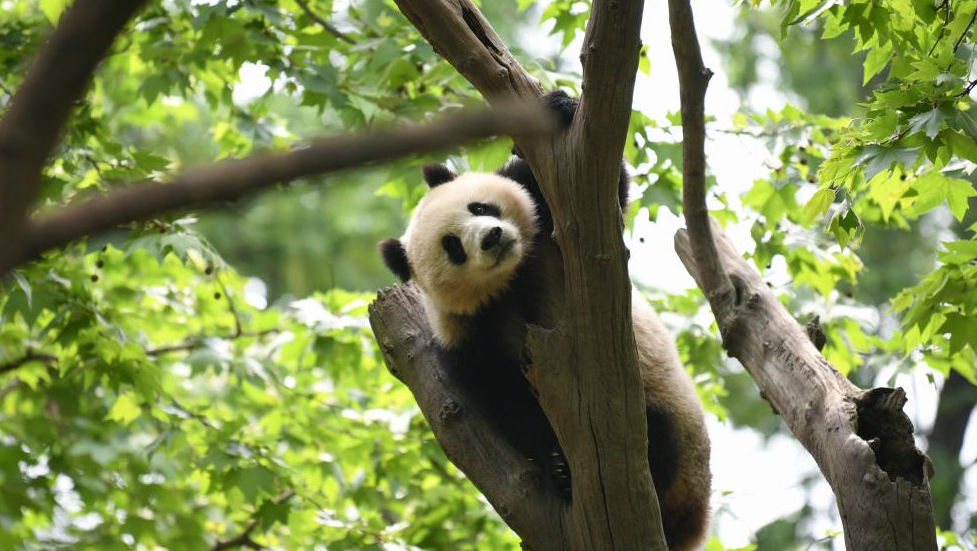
<point x="455" y="294"/>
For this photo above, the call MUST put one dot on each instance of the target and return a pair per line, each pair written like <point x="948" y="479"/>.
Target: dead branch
<point x="862" y="441"/>
<point x="233" y="180"/>
<point x="30" y="129"/>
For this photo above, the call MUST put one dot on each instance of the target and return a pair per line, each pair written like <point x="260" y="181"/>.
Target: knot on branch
<point x="475" y="25"/>
<point x="450" y="410"/>
<point x="815" y="333"/>
<point x="883" y="425"/>
<point x="731" y="305"/>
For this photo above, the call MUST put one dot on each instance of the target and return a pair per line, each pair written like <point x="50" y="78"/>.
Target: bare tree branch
<point x="323" y="23"/>
<point x="693" y="79"/>
<point x="30" y="356"/>
<point x="30" y="129"/>
<point x="458" y="31"/>
<point x="232" y="180"/>
<point x="861" y="440"/>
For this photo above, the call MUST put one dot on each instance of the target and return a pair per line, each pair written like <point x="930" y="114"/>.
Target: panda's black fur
<point x="489" y="364"/>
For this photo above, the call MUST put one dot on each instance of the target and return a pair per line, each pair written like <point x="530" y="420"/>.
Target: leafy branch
<point x="963" y="35"/>
<point x="244" y="538"/>
<point x="323" y="23"/>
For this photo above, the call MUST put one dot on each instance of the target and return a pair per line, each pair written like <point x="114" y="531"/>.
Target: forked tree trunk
<point x="589" y="350"/>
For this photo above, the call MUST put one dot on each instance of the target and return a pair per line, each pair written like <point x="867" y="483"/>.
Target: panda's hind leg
<point x="560" y="104"/>
<point x="565" y="107"/>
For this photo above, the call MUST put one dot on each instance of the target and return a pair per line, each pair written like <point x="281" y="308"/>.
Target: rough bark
<point x="861" y="440"/>
<point x="57" y="78"/>
<point x="588" y="353"/>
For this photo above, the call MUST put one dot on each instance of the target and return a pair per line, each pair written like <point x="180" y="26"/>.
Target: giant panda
<point x="473" y="247"/>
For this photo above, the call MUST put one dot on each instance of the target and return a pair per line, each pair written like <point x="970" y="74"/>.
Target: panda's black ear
<point x="395" y="257"/>
<point x="437" y="174"/>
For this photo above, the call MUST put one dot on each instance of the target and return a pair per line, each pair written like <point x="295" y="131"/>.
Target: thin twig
<point x="244" y="538"/>
<point x="230" y="306"/>
<point x="232" y="180"/>
<point x="30" y="356"/>
<point x="969" y="88"/>
<point x="325" y="24"/>
<point x="189" y="345"/>
<point x="965" y="31"/>
<point x="946" y="22"/>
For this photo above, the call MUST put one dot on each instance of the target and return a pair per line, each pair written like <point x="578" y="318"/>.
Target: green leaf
<point x="644" y="61"/>
<point x="959" y="252"/>
<point x="935" y="188"/>
<point x="963" y="146"/>
<point x="125" y="409"/>
<point x="271" y="512"/>
<point x="877" y="158"/>
<point x="875" y="61"/>
<point x="25" y="286"/>
<point x="962" y="330"/>
<point x="772" y="202"/>
<point x="52" y="9"/>
<point x="846" y="227"/>
<point x="929" y="122"/>
<point x="818" y="204"/>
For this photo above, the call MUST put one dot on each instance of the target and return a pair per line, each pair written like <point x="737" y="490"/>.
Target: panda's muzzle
<point x="495" y="243"/>
<point x="492" y="238"/>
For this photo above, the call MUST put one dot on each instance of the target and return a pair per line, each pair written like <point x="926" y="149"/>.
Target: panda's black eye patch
<point x="455" y="250"/>
<point x="484" y="209"/>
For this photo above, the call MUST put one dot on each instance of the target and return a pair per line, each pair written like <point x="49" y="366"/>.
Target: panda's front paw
<point x="562" y="105"/>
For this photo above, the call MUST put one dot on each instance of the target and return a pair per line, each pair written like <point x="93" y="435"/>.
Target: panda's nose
<point x="492" y="238"/>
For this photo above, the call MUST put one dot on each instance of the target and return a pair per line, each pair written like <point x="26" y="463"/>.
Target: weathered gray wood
<point x="883" y="493"/>
<point x="862" y="441"/>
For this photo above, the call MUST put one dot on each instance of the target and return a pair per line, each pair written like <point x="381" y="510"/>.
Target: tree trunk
<point x="589" y="352"/>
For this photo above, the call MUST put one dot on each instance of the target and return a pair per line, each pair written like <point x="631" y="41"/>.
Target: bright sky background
<point x="754" y="482"/>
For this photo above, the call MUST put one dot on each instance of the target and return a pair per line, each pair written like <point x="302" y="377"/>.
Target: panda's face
<point x="466" y="239"/>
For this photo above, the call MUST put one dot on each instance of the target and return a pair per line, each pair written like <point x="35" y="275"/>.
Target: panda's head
<point x="465" y="240"/>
